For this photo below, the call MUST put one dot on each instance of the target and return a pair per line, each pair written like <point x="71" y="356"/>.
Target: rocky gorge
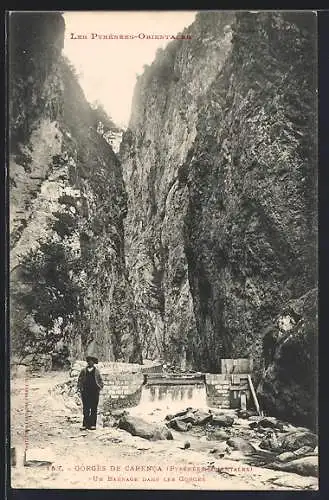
<point x="219" y="167"/>
<point x="197" y="240"/>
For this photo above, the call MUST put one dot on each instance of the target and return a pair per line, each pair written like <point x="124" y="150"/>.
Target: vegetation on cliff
<point x="68" y="271"/>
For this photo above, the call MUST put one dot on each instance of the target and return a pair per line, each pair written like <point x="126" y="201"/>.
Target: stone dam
<point x="129" y="385"/>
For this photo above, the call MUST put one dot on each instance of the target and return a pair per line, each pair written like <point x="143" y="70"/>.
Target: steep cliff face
<point x="67" y="204"/>
<point x="250" y="226"/>
<point x="162" y="129"/>
<point x="219" y="164"/>
<point x="288" y="386"/>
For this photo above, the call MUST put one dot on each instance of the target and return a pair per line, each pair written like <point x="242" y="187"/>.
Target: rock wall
<point x="66" y="191"/>
<point x="291" y="363"/>
<point x="250" y="228"/>
<point x="220" y="166"/>
<point x="162" y="129"/>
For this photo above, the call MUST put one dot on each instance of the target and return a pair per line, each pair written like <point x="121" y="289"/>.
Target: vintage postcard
<point x="163" y="266"/>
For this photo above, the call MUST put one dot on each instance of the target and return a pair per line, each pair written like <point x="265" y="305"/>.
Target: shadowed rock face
<point x="166" y="105"/>
<point x="66" y="187"/>
<point x="289" y="353"/>
<point x="219" y="165"/>
<point x="250" y="225"/>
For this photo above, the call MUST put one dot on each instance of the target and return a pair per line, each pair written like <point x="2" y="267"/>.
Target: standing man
<point x="90" y="384"/>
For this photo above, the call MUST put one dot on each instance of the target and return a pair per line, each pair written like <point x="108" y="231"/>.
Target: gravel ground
<point x="110" y="458"/>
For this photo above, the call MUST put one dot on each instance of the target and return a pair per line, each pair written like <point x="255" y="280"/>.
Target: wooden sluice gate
<point x="174" y="390"/>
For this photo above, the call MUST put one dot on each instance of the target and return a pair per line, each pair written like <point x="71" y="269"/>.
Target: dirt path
<point x="111" y="458"/>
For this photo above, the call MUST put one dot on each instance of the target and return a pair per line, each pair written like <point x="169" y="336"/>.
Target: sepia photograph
<point x="163" y="284"/>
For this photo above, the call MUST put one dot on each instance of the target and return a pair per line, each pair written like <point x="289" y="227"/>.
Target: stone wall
<point x="223" y="389"/>
<point x="122" y="384"/>
<point x="154" y="368"/>
<point x="218" y="390"/>
<point x="107" y="367"/>
<point x="121" y="390"/>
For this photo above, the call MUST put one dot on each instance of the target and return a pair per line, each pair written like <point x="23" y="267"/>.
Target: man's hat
<point x="93" y="358"/>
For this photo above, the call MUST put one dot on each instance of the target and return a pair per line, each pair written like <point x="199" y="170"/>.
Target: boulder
<point x="292" y="455"/>
<point x="270" y="442"/>
<point x="240" y="444"/>
<point x="118" y="413"/>
<point x="202" y="417"/>
<point x="271" y="423"/>
<point x="222" y="420"/>
<point x="179" y="425"/>
<point x="285" y="456"/>
<point x="187" y="418"/>
<point x="305" y="466"/>
<point x="293" y="428"/>
<point x="294" y="440"/>
<point x="195" y="417"/>
<point x="304" y="450"/>
<point x="218" y="435"/>
<point x="109" y="421"/>
<point x="296" y="482"/>
<point x="267" y="423"/>
<point x="245" y="413"/>
<point x="180" y="413"/>
<point x="255" y="418"/>
<point x="139" y="427"/>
